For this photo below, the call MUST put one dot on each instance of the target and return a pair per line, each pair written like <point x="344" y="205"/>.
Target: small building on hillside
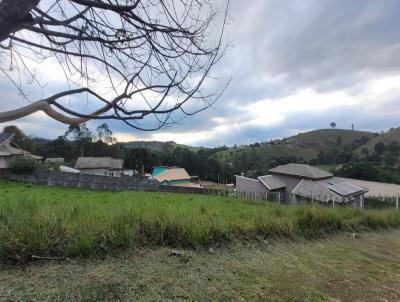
<point x="293" y="182"/>
<point x="10" y="151"/>
<point x="172" y="176"/>
<point x="106" y="166"/>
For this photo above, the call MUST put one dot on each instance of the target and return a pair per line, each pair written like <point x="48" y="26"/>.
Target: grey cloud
<point x="282" y="46"/>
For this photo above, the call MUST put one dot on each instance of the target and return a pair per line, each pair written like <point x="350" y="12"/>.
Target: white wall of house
<point x="2" y="163"/>
<point x="5" y="161"/>
<point x="102" y="172"/>
<point x="250" y="186"/>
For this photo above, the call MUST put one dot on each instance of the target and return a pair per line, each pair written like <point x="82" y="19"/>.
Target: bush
<point x="22" y="165"/>
<point x="315" y="222"/>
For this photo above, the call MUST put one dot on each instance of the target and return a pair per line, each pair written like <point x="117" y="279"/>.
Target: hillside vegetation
<point x="303" y="145"/>
<point x="386" y="138"/>
<point x="258" y="158"/>
<point x="47" y="221"/>
<point x="325" y="139"/>
<point x="156" y="145"/>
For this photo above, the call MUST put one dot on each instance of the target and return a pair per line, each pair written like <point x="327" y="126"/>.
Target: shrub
<point x="22" y="165"/>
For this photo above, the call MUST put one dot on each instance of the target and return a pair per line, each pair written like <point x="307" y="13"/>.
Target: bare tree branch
<point x="132" y="59"/>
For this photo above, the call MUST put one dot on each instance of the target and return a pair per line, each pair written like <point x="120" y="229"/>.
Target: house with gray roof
<point x="293" y="182"/>
<point x="106" y="166"/>
<point x="9" y="151"/>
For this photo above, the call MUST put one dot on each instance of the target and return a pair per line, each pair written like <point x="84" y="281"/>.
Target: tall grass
<point x="43" y="221"/>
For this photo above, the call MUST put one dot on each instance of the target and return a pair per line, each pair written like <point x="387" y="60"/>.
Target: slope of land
<point x="324" y="139"/>
<point x="340" y="268"/>
<point x="386" y="138"/>
<point x="304" y="146"/>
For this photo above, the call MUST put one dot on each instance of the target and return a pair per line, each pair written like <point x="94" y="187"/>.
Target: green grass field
<point x="48" y="221"/>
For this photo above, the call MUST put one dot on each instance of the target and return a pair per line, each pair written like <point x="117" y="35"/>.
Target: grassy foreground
<point x="44" y="221"/>
<point x="337" y="269"/>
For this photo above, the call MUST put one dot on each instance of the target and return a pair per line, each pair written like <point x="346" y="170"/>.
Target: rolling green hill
<point x="386" y="138"/>
<point x="304" y="146"/>
<point x="328" y="138"/>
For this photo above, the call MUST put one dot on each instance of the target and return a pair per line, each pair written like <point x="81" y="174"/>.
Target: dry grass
<point x="337" y="269"/>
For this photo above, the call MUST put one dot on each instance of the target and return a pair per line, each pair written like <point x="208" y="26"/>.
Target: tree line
<point x="79" y="140"/>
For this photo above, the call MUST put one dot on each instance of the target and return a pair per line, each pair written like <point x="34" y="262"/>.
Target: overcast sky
<point x="296" y="65"/>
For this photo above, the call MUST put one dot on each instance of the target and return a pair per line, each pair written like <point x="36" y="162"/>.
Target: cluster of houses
<point x="105" y="166"/>
<point x="290" y="183"/>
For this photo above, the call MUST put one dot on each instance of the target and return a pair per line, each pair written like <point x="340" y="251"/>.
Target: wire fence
<point x="141" y="184"/>
<point x="365" y="202"/>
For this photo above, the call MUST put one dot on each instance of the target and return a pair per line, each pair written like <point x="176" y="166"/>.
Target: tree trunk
<point x="13" y="13"/>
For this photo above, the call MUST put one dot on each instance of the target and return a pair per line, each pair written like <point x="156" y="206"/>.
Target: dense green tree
<point x="82" y="137"/>
<point x="379" y="147"/>
<point x="392" y="153"/>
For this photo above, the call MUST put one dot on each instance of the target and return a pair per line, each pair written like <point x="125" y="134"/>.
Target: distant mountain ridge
<point x="305" y="145"/>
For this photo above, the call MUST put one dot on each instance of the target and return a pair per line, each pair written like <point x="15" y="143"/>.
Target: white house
<point x="106" y="166"/>
<point x="10" y="151"/>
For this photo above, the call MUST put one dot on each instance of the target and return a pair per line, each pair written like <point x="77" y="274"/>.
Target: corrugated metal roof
<point x="305" y="171"/>
<point x="271" y="182"/>
<point x="98" y="163"/>
<point x="116" y="163"/>
<point x="172" y="174"/>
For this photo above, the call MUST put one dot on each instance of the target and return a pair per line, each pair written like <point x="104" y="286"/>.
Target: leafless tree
<point x="134" y="59"/>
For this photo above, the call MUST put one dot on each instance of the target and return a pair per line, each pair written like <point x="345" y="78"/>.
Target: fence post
<point x="362" y="201"/>
<point x="397" y="201"/>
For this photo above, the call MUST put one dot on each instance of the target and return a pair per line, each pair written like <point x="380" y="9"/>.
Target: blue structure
<point x="172" y="176"/>
<point x="157" y="170"/>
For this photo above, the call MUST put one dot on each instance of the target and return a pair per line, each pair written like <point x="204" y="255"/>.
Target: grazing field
<point x="339" y="268"/>
<point x="58" y="222"/>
